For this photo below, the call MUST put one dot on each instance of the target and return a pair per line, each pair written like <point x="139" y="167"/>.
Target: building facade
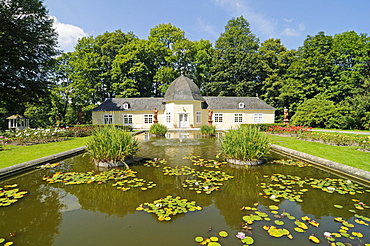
<point x="183" y="106"/>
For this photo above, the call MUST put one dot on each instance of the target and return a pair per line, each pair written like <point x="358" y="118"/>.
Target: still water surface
<point x="60" y="215"/>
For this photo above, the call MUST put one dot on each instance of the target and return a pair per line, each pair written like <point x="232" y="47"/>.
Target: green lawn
<point x="341" y="154"/>
<point x="12" y="155"/>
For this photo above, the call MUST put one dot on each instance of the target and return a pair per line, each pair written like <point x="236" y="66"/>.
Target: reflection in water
<point x="99" y="214"/>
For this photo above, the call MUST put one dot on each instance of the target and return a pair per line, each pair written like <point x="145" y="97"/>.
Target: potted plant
<point x="244" y="146"/>
<point x="111" y="146"/>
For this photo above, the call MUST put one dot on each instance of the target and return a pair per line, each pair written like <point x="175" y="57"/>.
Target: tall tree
<point x="275" y="60"/>
<point x="235" y="61"/>
<point x="310" y="74"/>
<point x="92" y="63"/>
<point x="27" y="45"/>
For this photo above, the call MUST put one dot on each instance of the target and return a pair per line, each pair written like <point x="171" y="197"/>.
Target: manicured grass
<point x="341" y="154"/>
<point x="12" y="155"/>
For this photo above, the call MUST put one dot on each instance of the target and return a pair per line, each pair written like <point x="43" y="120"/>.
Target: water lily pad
<point x="199" y="239"/>
<point x="298" y="229"/>
<point x="273" y="207"/>
<point x="248" y="240"/>
<point x="213" y="244"/>
<point x="357" y="234"/>
<point x="223" y="234"/>
<point x="313" y="239"/>
<point x="279" y="222"/>
<point x="276" y="232"/>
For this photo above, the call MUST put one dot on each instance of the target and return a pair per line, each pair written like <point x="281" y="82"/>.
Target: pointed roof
<point x="183" y="89"/>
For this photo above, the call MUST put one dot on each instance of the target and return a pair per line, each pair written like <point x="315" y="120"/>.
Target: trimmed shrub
<point x="244" y="143"/>
<point x="158" y="129"/>
<point x="110" y="144"/>
<point x="208" y="130"/>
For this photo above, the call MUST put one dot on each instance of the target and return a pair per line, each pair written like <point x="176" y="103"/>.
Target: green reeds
<point x="209" y="130"/>
<point x="244" y="143"/>
<point x="110" y="144"/>
<point x="158" y="129"/>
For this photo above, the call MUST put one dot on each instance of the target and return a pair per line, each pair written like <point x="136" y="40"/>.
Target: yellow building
<point x="183" y="106"/>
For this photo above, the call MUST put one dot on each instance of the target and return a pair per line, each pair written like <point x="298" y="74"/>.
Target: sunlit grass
<point x="12" y="155"/>
<point x="348" y="155"/>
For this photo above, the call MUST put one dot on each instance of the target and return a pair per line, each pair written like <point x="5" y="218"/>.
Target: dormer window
<point x="125" y="105"/>
<point x="241" y="105"/>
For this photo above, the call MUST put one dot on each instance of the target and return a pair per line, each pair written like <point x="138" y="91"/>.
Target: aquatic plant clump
<point x="10" y="194"/>
<point x="245" y="144"/>
<point x="126" y="184"/>
<point x="177" y="171"/>
<point x="346" y="234"/>
<point x="111" y="144"/>
<point x="157" y="162"/>
<point x="208" y="130"/>
<point x="72" y="178"/>
<point x="158" y="129"/>
<point x="169" y="206"/>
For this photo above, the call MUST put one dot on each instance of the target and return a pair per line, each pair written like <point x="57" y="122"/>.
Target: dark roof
<point x="182" y="89"/>
<point x="233" y="103"/>
<point x="134" y="104"/>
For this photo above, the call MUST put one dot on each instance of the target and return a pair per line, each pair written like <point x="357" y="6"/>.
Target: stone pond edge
<point x="338" y="168"/>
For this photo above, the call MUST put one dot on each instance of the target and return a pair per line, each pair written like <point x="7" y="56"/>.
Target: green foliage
<point x="27" y="45"/>
<point x="235" y="61"/>
<point x="158" y="129"/>
<point x="314" y="113"/>
<point x="209" y="130"/>
<point x="110" y="144"/>
<point x="244" y="143"/>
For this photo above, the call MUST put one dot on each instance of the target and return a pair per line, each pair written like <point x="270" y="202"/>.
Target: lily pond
<point x="181" y="194"/>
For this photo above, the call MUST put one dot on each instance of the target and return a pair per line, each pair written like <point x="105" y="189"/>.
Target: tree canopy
<point x="27" y="46"/>
<point x="325" y="82"/>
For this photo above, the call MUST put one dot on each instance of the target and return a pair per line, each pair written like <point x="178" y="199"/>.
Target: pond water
<point x="100" y="214"/>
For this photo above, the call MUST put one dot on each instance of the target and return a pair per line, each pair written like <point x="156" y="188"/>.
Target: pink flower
<point x="240" y="235"/>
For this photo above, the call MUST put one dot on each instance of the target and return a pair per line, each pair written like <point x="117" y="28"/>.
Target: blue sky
<point x="288" y="20"/>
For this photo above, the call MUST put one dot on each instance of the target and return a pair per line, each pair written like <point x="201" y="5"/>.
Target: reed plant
<point x="209" y="130"/>
<point x="246" y="143"/>
<point x="110" y="144"/>
<point x="158" y="129"/>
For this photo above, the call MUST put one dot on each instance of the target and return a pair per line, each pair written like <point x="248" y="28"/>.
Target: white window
<point x="198" y="118"/>
<point x="148" y="118"/>
<point x="168" y="117"/>
<point x="238" y="118"/>
<point x="125" y="105"/>
<point x="127" y="119"/>
<point x="218" y="118"/>
<point x="241" y="105"/>
<point x="258" y="118"/>
<point x="108" y="119"/>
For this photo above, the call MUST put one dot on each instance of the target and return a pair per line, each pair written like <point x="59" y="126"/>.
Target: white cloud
<point x="68" y="35"/>
<point x="211" y="30"/>
<point x="290" y="32"/>
<point x="258" y="21"/>
<point x="288" y="20"/>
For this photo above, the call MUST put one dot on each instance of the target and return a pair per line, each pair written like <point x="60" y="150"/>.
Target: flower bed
<point x="323" y="137"/>
<point x="30" y="136"/>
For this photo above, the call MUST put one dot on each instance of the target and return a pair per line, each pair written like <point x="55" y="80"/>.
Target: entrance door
<point x="183" y="120"/>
